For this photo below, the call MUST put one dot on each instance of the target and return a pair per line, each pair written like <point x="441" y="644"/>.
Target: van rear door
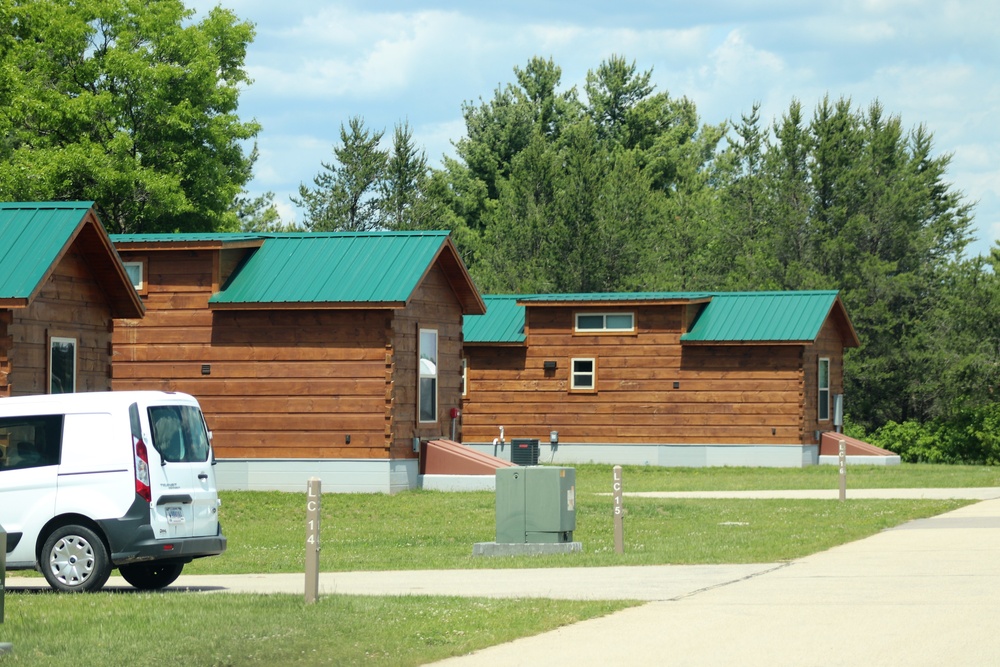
<point x="182" y="480"/>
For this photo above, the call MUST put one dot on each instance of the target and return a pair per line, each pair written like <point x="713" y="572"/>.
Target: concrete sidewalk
<point x="971" y="493"/>
<point x="926" y="593"/>
<point x="658" y="582"/>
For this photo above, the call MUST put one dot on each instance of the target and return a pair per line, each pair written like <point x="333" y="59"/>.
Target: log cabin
<point x="329" y="355"/>
<point x="672" y="379"/>
<point x="61" y="285"/>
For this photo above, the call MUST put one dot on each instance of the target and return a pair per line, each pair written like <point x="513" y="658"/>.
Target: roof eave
<point x="495" y="343"/>
<point x="851" y="339"/>
<point x="124" y="300"/>
<point x="612" y="302"/>
<point x="151" y="246"/>
<point x="745" y="342"/>
<point x="307" y="305"/>
<point x="458" y="278"/>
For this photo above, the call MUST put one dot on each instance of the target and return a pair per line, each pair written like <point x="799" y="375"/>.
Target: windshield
<point x="179" y="433"/>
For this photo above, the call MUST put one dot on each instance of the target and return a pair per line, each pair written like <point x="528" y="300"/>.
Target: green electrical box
<point x="535" y="504"/>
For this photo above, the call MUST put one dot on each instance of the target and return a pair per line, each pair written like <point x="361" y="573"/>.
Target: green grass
<point x="432" y="530"/>
<point x="597" y="478"/>
<point x="227" y="629"/>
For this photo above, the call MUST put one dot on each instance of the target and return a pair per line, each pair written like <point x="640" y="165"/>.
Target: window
<point x="179" y="433"/>
<point x="30" y="442"/>
<point x="605" y="322"/>
<point x="465" y="377"/>
<point x="62" y="365"/>
<point x="428" y="362"/>
<point x="824" y="390"/>
<point x="136" y="271"/>
<point x="583" y="375"/>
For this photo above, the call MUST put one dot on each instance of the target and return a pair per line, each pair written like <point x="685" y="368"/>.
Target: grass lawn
<point x="434" y="530"/>
<point x="597" y="478"/>
<point x="195" y="629"/>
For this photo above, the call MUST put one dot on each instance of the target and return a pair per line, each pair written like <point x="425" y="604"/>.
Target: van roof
<point x="93" y="400"/>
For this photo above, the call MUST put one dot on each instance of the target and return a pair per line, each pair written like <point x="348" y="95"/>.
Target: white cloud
<point x="317" y="64"/>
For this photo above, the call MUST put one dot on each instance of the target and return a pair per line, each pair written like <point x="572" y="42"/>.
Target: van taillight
<point x="142" y="471"/>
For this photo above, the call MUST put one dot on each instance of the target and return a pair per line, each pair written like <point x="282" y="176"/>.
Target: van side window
<point x="179" y="433"/>
<point x="30" y="442"/>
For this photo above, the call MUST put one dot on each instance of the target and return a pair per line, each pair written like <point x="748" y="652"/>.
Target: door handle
<point x="203" y="476"/>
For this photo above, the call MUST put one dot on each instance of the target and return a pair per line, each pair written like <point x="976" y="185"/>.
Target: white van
<point x="94" y="481"/>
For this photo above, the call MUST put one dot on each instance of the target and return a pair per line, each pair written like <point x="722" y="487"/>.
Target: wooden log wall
<point x="71" y="304"/>
<point x="6" y="344"/>
<point x="280" y="383"/>
<point x="733" y="394"/>
<point x="828" y="345"/>
<point x="433" y="306"/>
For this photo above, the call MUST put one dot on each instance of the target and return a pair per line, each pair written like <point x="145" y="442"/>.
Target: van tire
<point x="74" y="559"/>
<point x="151" y="575"/>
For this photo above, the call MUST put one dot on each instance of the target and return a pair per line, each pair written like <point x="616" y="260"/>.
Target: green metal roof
<point x="191" y="237"/>
<point x="32" y="236"/>
<point x="615" y="297"/>
<point x="762" y="317"/>
<point x="726" y="317"/>
<point x="333" y="268"/>
<point x="502" y="323"/>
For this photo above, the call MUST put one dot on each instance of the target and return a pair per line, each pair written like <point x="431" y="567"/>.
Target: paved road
<point x="925" y="593"/>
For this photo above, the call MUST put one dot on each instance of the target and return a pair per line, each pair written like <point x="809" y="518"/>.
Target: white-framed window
<point x="465" y="376"/>
<point x="583" y="375"/>
<point x="428" y="376"/>
<point x="136" y="272"/>
<point x="823" y="397"/>
<point x="605" y="322"/>
<point x="62" y="365"/>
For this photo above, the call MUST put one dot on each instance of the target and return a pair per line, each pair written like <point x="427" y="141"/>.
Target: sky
<point x="317" y="63"/>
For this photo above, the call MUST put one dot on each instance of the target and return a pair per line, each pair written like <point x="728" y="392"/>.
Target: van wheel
<point x="152" y="575"/>
<point x="75" y="559"/>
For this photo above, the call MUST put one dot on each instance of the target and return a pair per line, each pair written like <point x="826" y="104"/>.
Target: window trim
<point x="603" y="329"/>
<point x="821" y="390"/>
<point x="465" y="376"/>
<point x="49" y="375"/>
<point x="573" y="373"/>
<point x="421" y="376"/>
<point x="143" y="287"/>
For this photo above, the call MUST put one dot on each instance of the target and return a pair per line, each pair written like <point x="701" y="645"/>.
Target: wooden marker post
<point x="843" y="470"/>
<point x="616" y="492"/>
<point x="314" y="497"/>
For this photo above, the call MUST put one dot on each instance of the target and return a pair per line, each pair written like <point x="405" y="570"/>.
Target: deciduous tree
<point x="128" y="103"/>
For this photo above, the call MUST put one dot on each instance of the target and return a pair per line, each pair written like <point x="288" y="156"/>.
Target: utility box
<point x="535" y="504"/>
<point x="524" y="451"/>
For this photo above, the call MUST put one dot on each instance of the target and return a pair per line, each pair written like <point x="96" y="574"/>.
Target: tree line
<point x="615" y="187"/>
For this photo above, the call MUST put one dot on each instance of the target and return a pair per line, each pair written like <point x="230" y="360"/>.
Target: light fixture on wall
<point x="549" y="365"/>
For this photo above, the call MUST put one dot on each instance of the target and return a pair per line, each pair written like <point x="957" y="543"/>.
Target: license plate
<point x="175" y="515"/>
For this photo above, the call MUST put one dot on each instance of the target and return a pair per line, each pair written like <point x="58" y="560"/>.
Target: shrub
<point x="971" y="435"/>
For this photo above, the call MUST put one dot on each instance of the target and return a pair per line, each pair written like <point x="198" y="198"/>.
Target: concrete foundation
<point x="392" y="476"/>
<point x="670" y="455"/>
<point x="337" y="475"/>
<point x="525" y="548"/>
<point x="860" y="460"/>
<point x="458" y="482"/>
